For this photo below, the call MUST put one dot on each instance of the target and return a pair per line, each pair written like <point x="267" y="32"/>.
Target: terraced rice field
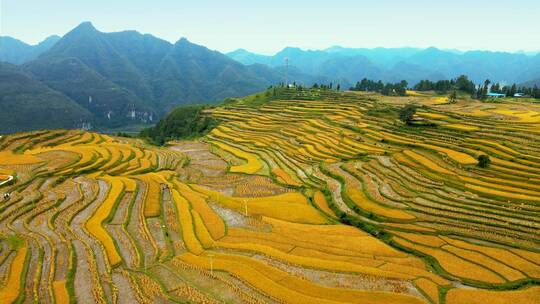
<point x="315" y="197"/>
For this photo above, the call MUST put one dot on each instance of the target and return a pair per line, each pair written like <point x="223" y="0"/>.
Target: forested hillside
<point x="129" y="78"/>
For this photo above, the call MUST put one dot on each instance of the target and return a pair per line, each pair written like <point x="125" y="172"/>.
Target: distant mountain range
<point x="108" y="80"/>
<point x="27" y="104"/>
<point x="531" y="83"/>
<point x="125" y="77"/>
<point x="411" y="64"/>
<point x="17" y="52"/>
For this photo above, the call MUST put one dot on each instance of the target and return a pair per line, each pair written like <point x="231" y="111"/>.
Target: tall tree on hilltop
<point x="406" y="114"/>
<point x="453" y="97"/>
<point x="513" y="90"/>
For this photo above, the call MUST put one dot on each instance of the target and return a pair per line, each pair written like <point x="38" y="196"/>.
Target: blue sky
<point x="268" y="26"/>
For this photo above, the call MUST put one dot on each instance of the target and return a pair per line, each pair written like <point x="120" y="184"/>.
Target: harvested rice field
<point x="311" y="197"/>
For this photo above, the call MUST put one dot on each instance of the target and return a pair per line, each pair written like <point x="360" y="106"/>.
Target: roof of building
<point x="496" y="94"/>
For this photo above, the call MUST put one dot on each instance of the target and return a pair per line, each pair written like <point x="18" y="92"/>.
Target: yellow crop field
<point x="220" y="132"/>
<point x="130" y="184"/>
<point x="529" y="295"/>
<point x="201" y="231"/>
<point x="503" y="193"/>
<point x="61" y="295"/>
<point x="339" y="230"/>
<point x="521" y="116"/>
<point x="266" y="241"/>
<point x="429" y="288"/>
<point x="253" y="164"/>
<point x="362" y="201"/>
<point x="494" y="144"/>
<point x="85" y="137"/>
<point x="320" y="201"/>
<point x="459" y="157"/>
<point x="296" y="196"/>
<point x="415" y="93"/>
<point x="9" y="158"/>
<point x="502" y="255"/>
<point x="312" y="262"/>
<point x="186" y="221"/>
<point x="360" y="260"/>
<point x="426" y="162"/>
<point x="426" y="240"/>
<point x="477" y="113"/>
<point x="396" y="139"/>
<point x="508" y="273"/>
<point x="258" y="279"/>
<point x="461" y="127"/>
<point x="515" y="166"/>
<point x="439" y="100"/>
<point x="6" y="172"/>
<point x="284" y="177"/>
<point x="292" y="207"/>
<point x="501" y="187"/>
<point x="519" y="184"/>
<point x="94" y="225"/>
<point x="407" y="267"/>
<point x="278" y="284"/>
<point x="10" y="291"/>
<point x="457" y="266"/>
<point x="312" y="237"/>
<point x="152" y="206"/>
<point x="213" y="222"/>
<point x="346" y="296"/>
<point x="406" y="161"/>
<point x="530" y="255"/>
<point x="432" y="115"/>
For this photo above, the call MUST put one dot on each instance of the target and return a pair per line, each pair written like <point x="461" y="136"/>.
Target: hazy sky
<point x="268" y="26"/>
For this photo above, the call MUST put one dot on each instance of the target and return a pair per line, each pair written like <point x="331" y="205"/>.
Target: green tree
<point x="183" y="122"/>
<point x="513" y="90"/>
<point x="483" y="161"/>
<point x="404" y="84"/>
<point x="453" y="97"/>
<point x="407" y="114"/>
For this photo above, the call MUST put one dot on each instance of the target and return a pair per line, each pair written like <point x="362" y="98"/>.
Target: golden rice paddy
<point x="315" y="197"/>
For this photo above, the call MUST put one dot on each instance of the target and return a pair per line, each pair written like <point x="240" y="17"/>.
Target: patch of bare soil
<point x="126" y="294"/>
<point x="125" y="247"/>
<point x="78" y="223"/>
<point x="172" y="226"/>
<point x="122" y="209"/>
<point x="156" y="229"/>
<point x="199" y="283"/>
<point x="236" y="219"/>
<point x="200" y="157"/>
<point x="58" y="159"/>
<point x="136" y="229"/>
<point x="83" y="282"/>
<point x="5" y="263"/>
<point x="343" y="280"/>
